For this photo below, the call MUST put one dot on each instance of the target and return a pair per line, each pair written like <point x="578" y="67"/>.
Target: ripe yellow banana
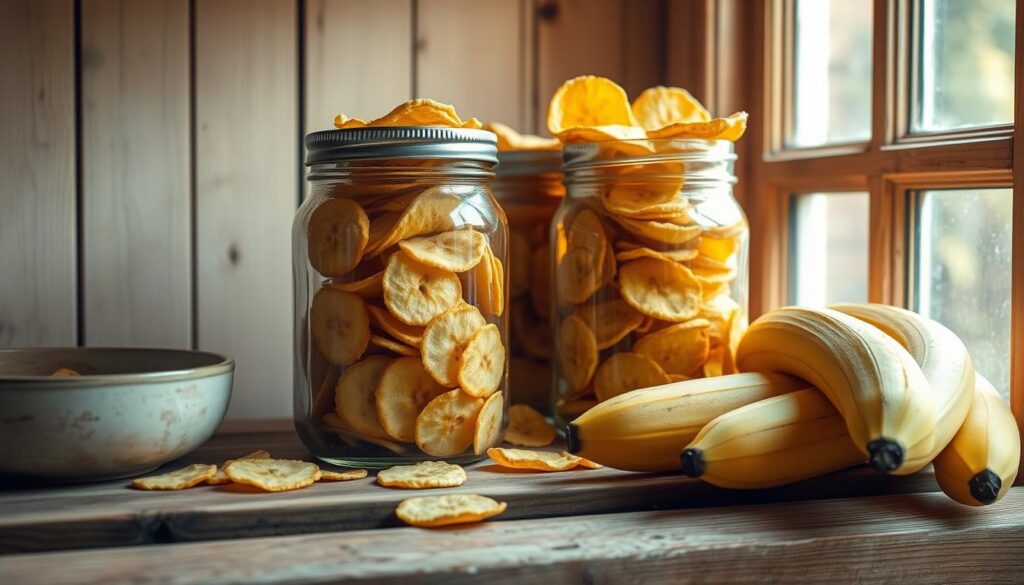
<point x="772" y="442"/>
<point x="644" y="430"/>
<point x="980" y="463"/>
<point x="943" y="358"/>
<point x="874" y="383"/>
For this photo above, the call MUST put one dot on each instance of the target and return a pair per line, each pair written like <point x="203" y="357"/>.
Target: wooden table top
<point x="579" y="526"/>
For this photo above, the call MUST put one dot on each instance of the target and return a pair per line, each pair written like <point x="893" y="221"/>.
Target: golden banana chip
<point x="720" y="249"/>
<point x="220" y="477"/>
<point x="660" y="106"/>
<point x="726" y="232"/>
<point x="624" y="372"/>
<point x="273" y="475"/>
<point x="662" y="232"/>
<point x="488" y="424"/>
<point x="448" y="423"/>
<point x="713" y="288"/>
<point x="355" y="400"/>
<point x="496" y="304"/>
<point x="577" y="350"/>
<point x="64" y="373"/>
<point x="371" y="287"/>
<point x="340" y="325"/>
<point x="606" y="133"/>
<point x="338" y="232"/>
<point x="589" y="101"/>
<point x="731" y="128"/>
<point x="661" y="289"/>
<point x="444" y="340"/>
<point x="420" y="112"/>
<point x="713" y="365"/>
<point x="528" y="428"/>
<point x="587" y="463"/>
<point x="610" y="321"/>
<point x="482" y="363"/>
<point x="394" y="346"/>
<point x="678" y="349"/>
<point x="680" y="255"/>
<point x="509" y="140"/>
<point x="409" y="334"/>
<point x="404" y="390"/>
<point x="653" y="200"/>
<point x="518" y="263"/>
<point x="180" y="479"/>
<point x="456" y="251"/>
<point x="343" y="122"/>
<point x="473" y="124"/>
<point x="416" y="293"/>
<point x="431" y="511"/>
<point x="428" y="213"/>
<point x="710" y="270"/>
<point x="535" y="460"/>
<point x="423" y="475"/>
<point x="587" y="246"/>
<point x="347" y="475"/>
<point x="540" y="281"/>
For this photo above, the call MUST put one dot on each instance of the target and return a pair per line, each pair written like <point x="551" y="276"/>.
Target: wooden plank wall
<point x="149" y="151"/>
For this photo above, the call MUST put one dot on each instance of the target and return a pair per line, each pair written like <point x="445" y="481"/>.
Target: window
<point x="829" y="248"/>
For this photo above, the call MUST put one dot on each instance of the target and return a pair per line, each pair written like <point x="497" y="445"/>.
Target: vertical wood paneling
<point x="1017" y="252"/>
<point x="470" y="53"/>
<point x="689" y="47"/>
<point x="136" y="222"/>
<point x="358" y="58"/>
<point x="246" y="188"/>
<point x="37" y="173"/>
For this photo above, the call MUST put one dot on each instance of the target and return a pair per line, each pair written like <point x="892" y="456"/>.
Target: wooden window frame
<point x="892" y="166"/>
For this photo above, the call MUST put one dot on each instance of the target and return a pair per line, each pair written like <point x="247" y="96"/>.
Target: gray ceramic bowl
<point x="130" y="411"/>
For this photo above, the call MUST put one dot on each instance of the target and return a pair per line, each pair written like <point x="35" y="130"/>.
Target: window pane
<point x="965" y="51"/>
<point x="828" y="248"/>
<point x="963" y="272"/>
<point x="832" y="72"/>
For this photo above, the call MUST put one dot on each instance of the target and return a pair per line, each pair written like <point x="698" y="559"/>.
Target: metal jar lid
<point x="529" y="162"/>
<point x="329" y="146"/>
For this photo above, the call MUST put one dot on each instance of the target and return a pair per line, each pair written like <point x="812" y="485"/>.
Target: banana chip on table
<point x="431" y="511"/>
<point x="273" y="475"/>
<point x="537" y="460"/>
<point x="528" y="428"/>
<point x="180" y="479"/>
<point x="347" y="475"/>
<point x="221" y="478"/>
<point x="423" y="475"/>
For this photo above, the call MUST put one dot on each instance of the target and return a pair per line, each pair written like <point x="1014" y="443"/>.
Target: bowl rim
<point x="223" y="365"/>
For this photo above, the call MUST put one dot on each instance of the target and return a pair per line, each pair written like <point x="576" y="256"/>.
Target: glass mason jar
<point x="650" y="268"/>
<point x="399" y="257"/>
<point x="529" y="187"/>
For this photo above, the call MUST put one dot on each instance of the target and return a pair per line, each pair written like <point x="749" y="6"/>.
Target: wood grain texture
<point x="689" y="50"/>
<point x="111" y="514"/>
<point x="38" y="295"/>
<point x="246" y="192"/>
<point x="470" y="53"/>
<point x="136" y="173"/>
<point x="644" y="44"/>
<point x="358" y="59"/>
<point x="923" y="538"/>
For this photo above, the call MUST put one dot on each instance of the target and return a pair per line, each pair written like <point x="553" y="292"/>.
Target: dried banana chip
<point x="731" y="128"/>
<point x="488" y="423"/>
<point x="447" y="424"/>
<point x="393" y="346"/>
<point x="405" y="388"/>
<point x="528" y="428"/>
<point x="409" y="334"/>
<point x="347" y="475"/>
<point x="540" y="281"/>
<point x="713" y="271"/>
<point x="273" y="475"/>
<point x="614" y="138"/>
<point x="577" y="350"/>
<point x="180" y="479"/>
<point x="714" y="364"/>
<point x="343" y="122"/>
<point x="678" y="349"/>
<point x="624" y="372"/>
<point x="610" y="321"/>
<point x="482" y="363"/>
<point x="587" y="463"/>
<point x="420" y="112"/>
<point x="431" y="511"/>
<point x="660" y="106"/>
<point x="444" y="340"/>
<point x="423" y="475"/>
<point x="589" y="101"/>
<point x="518" y="264"/>
<point x="430" y="212"/>
<point x="721" y="249"/>
<point x="371" y="287"/>
<point x="726" y="232"/>
<point x="340" y="325"/>
<point x="509" y="140"/>
<point x="680" y="255"/>
<point x="661" y="289"/>
<point x="535" y="460"/>
<point x="496" y="290"/>
<point x="577" y="276"/>
<point x="661" y="232"/>
<point x="455" y="251"/>
<point x="220" y="477"/>
<point x="355" y="400"/>
<point x="473" y="124"/>
<point x="416" y="293"/>
<point x="64" y="373"/>
<point x="646" y="202"/>
<point x="338" y="232"/>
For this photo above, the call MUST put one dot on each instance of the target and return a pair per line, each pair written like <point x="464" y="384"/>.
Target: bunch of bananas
<point x="842" y="386"/>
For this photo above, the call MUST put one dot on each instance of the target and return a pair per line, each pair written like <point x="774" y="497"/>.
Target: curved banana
<point x="873" y="382"/>
<point x="772" y="442"/>
<point x="943" y="358"/>
<point x="980" y="463"/>
<point x="645" y="429"/>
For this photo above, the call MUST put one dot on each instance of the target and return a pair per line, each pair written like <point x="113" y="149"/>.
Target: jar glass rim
<point x="609" y="153"/>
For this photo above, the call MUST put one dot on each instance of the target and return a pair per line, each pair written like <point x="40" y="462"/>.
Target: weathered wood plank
<point x="470" y="53"/>
<point x="136" y="192"/>
<point x="37" y="174"/>
<point x="111" y="514"/>
<point x="923" y="538"/>
<point x="247" y="188"/>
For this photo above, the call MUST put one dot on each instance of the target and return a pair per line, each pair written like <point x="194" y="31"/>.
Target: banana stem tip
<point x="985" y="486"/>
<point x="886" y="455"/>
<point x="692" y="462"/>
<point x="572" y="438"/>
